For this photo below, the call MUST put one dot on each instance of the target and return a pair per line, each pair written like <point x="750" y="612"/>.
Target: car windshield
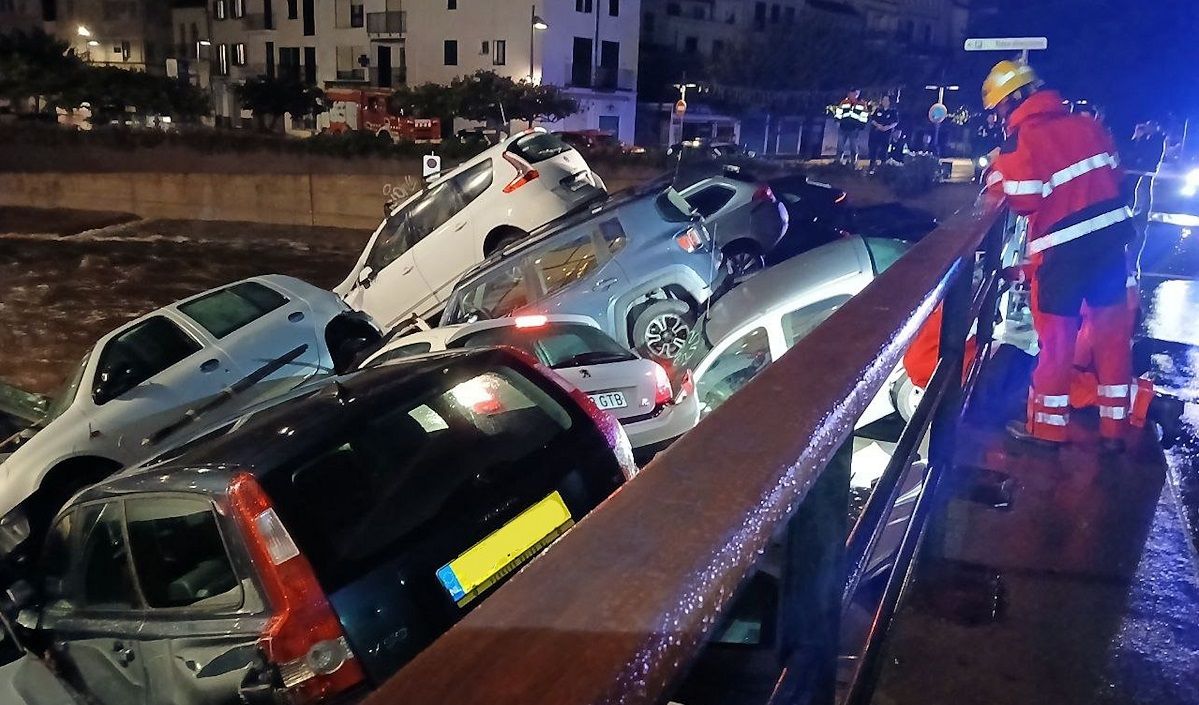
<point x="555" y="344"/>
<point x="62" y="400"/>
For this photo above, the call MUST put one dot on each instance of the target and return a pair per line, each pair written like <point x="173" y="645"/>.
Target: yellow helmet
<point x="1004" y="79"/>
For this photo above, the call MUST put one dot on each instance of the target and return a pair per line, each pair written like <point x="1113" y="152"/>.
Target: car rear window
<point x="228" y="309"/>
<point x="539" y="146"/>
<point x="555" y="344"/>
<point x="453" y="448"/>
<point x="885" y="252"/>
<point x="673" y="207"/>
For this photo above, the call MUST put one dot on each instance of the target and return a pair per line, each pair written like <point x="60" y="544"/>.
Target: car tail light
<point x="663" y="394"/>
<point x="841" y="197"/>
<point x="763" y="193"/>
<point x="303" y="639"/>
<point x="524" y="173"/>
<point x="686" y="387"/>
<point x="690" y="240"/>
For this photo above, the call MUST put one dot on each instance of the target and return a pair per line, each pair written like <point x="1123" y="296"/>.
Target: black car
<point x="816" y="214"/>
<point x="306" y="551"/>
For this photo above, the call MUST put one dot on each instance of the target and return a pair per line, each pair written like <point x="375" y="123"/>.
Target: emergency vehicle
<point x="366" y="109"/>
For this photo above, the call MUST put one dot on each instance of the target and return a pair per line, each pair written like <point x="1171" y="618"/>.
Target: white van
<point x="419" y="251"/>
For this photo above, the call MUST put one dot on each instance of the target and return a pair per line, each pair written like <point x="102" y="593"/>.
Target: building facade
<point x="21" y="15"/>
<point x="130" y="34"/>
<point x="587" y="47"/>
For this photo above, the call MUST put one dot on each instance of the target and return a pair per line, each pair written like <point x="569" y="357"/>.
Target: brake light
<point x="689" y="240"/>
<point x="662" y="391"/>
<point x="763" y="193"/>
<point x="531" y="321"/>
<point x="303" y="638"/>
<point x="686" y="387"/>
<point x="524" y="172"/>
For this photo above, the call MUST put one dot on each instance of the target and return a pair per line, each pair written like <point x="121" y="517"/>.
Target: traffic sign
<point x="937" y="113"/>
<point x="680" y="108"/>
<point x="1007" y="44"/>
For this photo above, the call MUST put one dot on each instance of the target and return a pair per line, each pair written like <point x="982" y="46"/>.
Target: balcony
<point x="386" y="24"/>
<point x="605" y="78"/>
<point x="353" y="75"/>
<point x="388" y="78"/>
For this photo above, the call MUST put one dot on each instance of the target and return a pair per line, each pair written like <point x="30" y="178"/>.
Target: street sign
<point x="937" y="113"/>
<point x="1007" y="44"/>
<point x="680" y="108"/>
<point x="431" y="166"/>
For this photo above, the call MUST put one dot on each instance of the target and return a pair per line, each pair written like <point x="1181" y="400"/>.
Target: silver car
<point x="762" y="318"/>
<point x="743" y="215"/>
<point x="639" y="265"/>
<point x="636" y="391"/>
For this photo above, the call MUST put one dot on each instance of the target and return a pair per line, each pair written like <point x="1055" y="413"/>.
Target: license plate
<point x="609" y="400"/>
<point x="505" y="550"/>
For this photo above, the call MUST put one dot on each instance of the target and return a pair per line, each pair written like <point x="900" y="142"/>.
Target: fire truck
<point x="366" y="109"/>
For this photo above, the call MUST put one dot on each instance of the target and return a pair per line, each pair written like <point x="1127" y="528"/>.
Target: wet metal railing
<point x="621" y="608"/>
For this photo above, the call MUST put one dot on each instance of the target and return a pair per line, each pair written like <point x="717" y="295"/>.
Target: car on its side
<point x="638" y="392"/>
<point x="743" y="216"/>
<point x="760" y="319"/>
<point x="305" y="553"/>
<point x="138" y="385"/>
<point x="639" y="264"/>
<point x="460" y="217"/>
<point x="598" y="143"/>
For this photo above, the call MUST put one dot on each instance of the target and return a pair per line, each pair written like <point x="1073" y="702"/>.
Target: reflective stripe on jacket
<point x="1059" y="169"/>
<point x="852" y="113"/>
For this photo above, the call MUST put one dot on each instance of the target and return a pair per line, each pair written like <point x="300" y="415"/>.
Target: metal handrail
<point x="619" y="607"/>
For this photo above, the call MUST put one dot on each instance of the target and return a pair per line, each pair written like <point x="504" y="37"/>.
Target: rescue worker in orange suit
<point x="1061" y="171"/>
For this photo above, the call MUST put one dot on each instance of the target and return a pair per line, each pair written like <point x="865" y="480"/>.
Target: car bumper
<point x="673" y="421"/>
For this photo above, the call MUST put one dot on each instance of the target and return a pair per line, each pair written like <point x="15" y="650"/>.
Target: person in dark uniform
<point x="883" y="122"/>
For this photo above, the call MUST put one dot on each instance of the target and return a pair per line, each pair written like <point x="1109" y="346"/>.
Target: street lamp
<point x="536" y="24"/>
<point x="205" y="43"/>
<point x="83" y="31"/>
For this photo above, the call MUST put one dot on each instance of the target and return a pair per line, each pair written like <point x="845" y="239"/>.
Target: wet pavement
<point x="58" y="294"/>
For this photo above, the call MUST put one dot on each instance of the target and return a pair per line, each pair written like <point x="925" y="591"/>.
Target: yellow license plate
<point x="505" y="550"/>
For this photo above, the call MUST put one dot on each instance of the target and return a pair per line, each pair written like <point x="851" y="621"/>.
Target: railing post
<point x="955" y="327"/>
<point x="813" y="579"/>
<point x="991" y="262"/>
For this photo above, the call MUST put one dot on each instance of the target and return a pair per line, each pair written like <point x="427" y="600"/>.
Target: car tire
<point x="508" y="236"/>
<point x="906" y="398"/>
<point x="743" y="258"/>
<point x="661" y="329"/>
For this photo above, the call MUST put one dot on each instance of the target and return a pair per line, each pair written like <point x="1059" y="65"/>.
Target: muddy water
<point x="59" y="294"/>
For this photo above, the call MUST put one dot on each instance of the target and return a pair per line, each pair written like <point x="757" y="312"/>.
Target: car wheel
<point x="906" y="398"/>
<point x="508" y="236"/>
<point x="743" y="259"/>
<point x="662" y="329"/>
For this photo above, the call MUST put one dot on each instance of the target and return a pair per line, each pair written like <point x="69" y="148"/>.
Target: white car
<point x="762" y="318"/>
<point x="636" y="391"/>
<point x="142" y="384"/>
<point x="497" y="198"/>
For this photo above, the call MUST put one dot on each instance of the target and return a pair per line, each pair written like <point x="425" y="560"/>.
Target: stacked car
<point x="318" y="484"/>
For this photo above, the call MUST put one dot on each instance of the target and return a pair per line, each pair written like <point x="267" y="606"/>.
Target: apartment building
<point x="587" y="47"/>
<point x="131" y="34"/>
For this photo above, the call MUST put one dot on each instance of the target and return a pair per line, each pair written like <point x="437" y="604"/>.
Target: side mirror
<point x="112" y="382"/>
<point x="365" y="275"/>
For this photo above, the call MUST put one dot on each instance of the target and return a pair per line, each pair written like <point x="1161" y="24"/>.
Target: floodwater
<point x="58" y="294"/>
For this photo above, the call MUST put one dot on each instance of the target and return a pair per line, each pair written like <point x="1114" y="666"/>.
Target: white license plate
<point x="609" y="400"/>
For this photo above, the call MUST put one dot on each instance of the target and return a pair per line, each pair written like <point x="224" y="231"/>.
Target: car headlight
<point x="983" y="162"/>
<point x="1191" y="183"/>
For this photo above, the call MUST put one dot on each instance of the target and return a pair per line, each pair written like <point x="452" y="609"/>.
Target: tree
<point x="35" y="65"/>
<point x="483" y="96"/>
<point x="271" y="97"/>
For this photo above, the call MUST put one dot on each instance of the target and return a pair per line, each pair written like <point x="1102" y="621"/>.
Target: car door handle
<point x="210" y="365"/>
<point x="296" y="316"/>
<point x="604" y="284"/>
<point x="407" y="269"/>
<point x="459" y="226"/>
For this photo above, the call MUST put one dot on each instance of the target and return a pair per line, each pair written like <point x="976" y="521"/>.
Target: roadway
<point x="1064" y="577"/>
